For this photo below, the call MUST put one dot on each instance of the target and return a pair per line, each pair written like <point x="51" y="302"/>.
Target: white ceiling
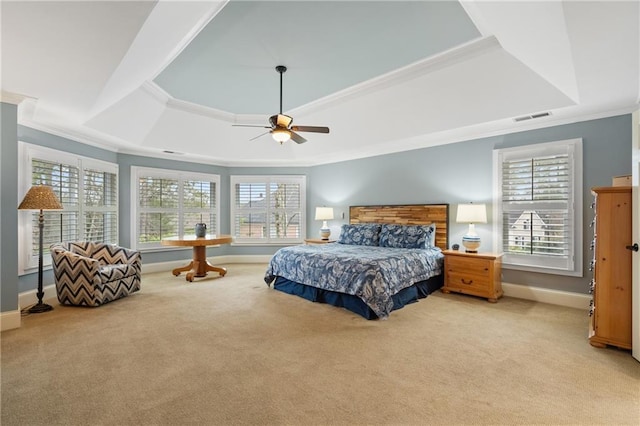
<point x="152" y="76"/>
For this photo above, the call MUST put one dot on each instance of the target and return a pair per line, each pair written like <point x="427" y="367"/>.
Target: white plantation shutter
<point x="170" y="203"/>
<point x="88" y="191"/>
<point x="199" y="205"/>
<point x="268" y="209"/>
<point x="63" y="225"/>
<point x="540" y="206"/>
<point x="157" y="208"/>
<point x="100" y="206"/>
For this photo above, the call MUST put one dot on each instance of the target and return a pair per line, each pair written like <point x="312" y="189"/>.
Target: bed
<point x="385" y="258"/>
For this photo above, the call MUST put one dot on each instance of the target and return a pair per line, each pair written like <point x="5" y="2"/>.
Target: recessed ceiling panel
<point x="327" y="46"/>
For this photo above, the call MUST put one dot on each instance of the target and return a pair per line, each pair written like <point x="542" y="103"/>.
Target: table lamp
<point x="41" y="198"/>
<point x="471" y="214"/>
<point x="324" y="214"/>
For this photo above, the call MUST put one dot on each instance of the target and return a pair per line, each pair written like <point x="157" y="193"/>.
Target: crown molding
<point x="12" y="98"/>
<point x="26" y="117"/>
<point x="200" y="110"/>
<point x="159" y="94"/>
<point x="156" y="92"/>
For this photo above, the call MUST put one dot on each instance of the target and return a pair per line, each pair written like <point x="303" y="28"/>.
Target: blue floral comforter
<point x="372" y="273"/>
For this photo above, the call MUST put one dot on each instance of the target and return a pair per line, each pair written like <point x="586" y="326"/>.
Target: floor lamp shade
<point x="471" y="214"/>
<point x="40" y="197"/>
<point x="324" y="214"/>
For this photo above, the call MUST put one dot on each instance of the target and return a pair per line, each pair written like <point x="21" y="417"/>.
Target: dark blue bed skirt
<point x="408" y="295"/>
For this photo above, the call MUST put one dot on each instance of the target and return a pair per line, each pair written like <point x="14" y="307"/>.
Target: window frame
<point x="267" y="180"/>
<point x="181" y="176"/>
<point x="28" y="152"/>
<point x="573" y="265"/>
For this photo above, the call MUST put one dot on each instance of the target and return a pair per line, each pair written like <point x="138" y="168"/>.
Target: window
<point x="170" y="203"/>
<point x="88" y="191"/>
<point x="539" y="207"/>
<point x="268" y="209"/>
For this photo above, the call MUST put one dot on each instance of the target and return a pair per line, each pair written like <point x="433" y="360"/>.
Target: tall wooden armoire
<point x="611" y="285"/>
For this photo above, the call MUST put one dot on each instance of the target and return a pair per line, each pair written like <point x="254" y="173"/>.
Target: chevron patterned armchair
<point x="92" y="274"/>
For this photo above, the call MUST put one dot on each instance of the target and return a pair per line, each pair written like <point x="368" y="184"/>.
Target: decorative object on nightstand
<point x="471" y="214"/>
<point x="40" y="197"/>
<point x="477" y="274"/>
<point x="324" y="214"/>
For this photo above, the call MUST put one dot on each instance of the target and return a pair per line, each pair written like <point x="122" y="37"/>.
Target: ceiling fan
<point x="281" y="128"/>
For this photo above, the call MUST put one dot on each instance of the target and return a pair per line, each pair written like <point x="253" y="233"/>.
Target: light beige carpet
<point x="233" y="351"/>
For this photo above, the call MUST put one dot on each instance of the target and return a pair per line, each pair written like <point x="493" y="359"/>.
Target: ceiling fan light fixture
<point x="281" y="135"/>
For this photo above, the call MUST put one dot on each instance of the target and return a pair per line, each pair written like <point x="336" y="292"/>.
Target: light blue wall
<point x="8" y="207"/>
<point x="452" y="173"/>
<point x="462" y="172"/>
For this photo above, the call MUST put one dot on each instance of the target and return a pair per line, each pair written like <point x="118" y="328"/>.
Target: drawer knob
<point x="465" y="281"/>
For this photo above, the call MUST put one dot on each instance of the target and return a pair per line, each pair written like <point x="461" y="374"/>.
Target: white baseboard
<point x="545" y="295"/>
<point x="10" y="320"/>
<point x="216" y="260"/>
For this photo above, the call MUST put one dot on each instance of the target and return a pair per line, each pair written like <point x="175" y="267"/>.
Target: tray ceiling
<point x="148" y="77"/>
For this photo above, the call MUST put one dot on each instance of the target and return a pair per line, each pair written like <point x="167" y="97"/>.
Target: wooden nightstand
<point x="317" y="241"/>
<point x="477" y="274"/>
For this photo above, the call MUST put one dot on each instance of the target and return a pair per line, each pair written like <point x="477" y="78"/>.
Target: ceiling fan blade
<point x="250" y="125"/>
<point x="314" y="129"/>
<point x="297" y="138"/>
<point x="260" y="135"/>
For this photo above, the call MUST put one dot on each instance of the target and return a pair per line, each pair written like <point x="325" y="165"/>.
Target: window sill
<point x="541" y="270"/>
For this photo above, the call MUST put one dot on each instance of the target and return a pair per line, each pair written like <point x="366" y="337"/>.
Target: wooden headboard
<point x="408" y="214"/>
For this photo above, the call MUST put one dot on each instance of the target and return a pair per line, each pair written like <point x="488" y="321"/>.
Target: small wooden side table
<point x="317" y="241"/>
<point x="477" y="274"/>
<point x="199" y="266"/>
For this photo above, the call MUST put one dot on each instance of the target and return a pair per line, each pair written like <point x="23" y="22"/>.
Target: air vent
<point x="532" y="116"/>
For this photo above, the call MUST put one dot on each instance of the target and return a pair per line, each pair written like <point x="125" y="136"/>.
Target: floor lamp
<point x="41" y="198"/>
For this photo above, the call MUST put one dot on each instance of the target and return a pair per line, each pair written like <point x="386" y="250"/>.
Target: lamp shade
<point x="472" y="213"/>
<point x="324" y="213"/>
<point x="40" y="197"/>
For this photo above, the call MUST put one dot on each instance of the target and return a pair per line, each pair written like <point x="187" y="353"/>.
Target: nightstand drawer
<point x="467" y="281"/>
<point x="479" y="267"/>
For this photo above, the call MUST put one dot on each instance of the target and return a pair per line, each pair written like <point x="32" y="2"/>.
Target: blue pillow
<point x="407" y="236"/>
<point x="360" y="234"/>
